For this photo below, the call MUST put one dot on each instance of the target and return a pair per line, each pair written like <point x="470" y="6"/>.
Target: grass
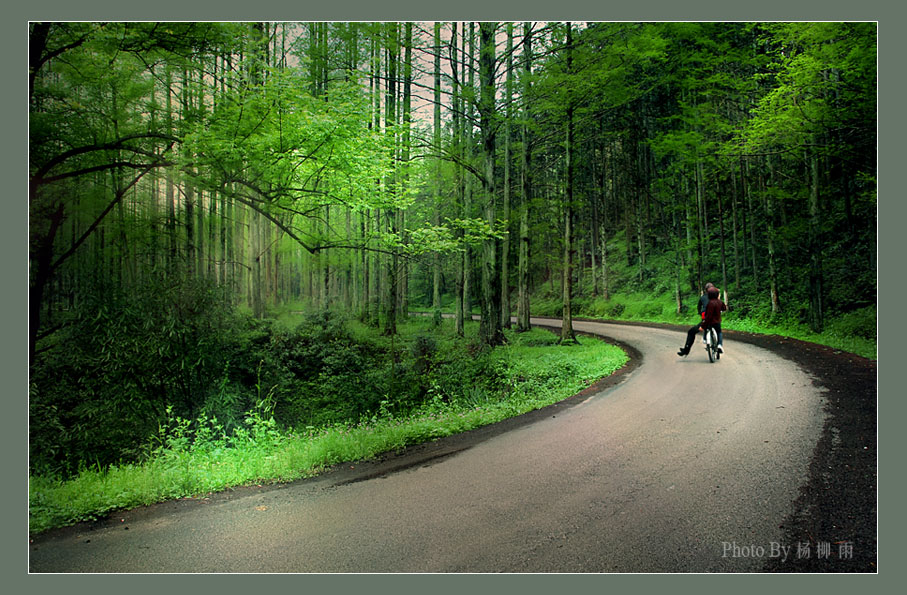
<point x="532" y="371"/>
<point x="832" y="337"/>
<point x="854" y="332"/>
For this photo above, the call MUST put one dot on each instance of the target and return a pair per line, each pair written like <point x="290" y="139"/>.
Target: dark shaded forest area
<point x="192" y="183"/>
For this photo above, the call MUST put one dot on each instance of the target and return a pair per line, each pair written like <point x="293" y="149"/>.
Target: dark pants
<point x="691" y="334"/>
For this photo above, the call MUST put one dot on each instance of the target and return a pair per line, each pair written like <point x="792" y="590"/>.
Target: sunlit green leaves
<point x="454" y="236"/>
<point x="295" y="149"/>
<point x="824" y="77"/>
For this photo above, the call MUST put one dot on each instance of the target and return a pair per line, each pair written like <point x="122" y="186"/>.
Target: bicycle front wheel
<point x="711" y="343"/>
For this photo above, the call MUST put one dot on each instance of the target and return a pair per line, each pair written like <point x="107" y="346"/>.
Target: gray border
<point x="891" y="49"/>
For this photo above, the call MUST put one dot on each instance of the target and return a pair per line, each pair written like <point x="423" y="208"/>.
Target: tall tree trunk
<point x="366" y="276"/>
<point x="153" y="230"/>
<point x="371" y="259"/>
<point x="505" y="215"/>
<point x="213" y="257"/>
<point x="324" y="259"/>
<point x="390" y="122"/>
<point x="700" y="226"/>
<point x="626" y="191"/>
<point x="203" y="247"/>
<point x="603" y="232"/>
<point x="436" y="199"/>
<point x="724" y="285"/>
<point x="187" y="189"/>
<point x="255" y="286"/>
<point x="469" y="66"/>
<point x="349" y="290"/>
<point x="525" y="189"/>
<point x="688" y="229"/>
<point x="567" y="333"/>
<point x="490" y="330"/>
<point x="258" y="249"/>
<point x="458" y="133"/>
<point x="379" y="276"/>
<point x="736" y="225"/>
<point x="595" y="231"/>
<point x="406" y="116"/>
<point x="43" y="274"/>
<point x="678" y="257"/>
<point x="642" y="186"/>
<point x="816" y="309"/>
<point x="770" y="236"/>
<point x="745" y="183"/>
<point x="170" y="187"/>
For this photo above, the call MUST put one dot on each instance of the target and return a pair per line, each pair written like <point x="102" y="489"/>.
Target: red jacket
<point x="713" y="312"/>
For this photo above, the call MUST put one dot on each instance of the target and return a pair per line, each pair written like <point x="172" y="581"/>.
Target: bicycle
<point x="711" y="344"/>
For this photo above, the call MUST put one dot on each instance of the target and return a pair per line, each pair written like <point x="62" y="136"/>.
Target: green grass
<point x="835" y="336"/>
<point x="854" y="332"/>
<point x="530" y="372"/>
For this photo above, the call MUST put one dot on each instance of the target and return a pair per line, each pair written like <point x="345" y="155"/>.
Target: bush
<point x="102" y="384"/>
<point x="424" y="351"/>
<point x="860" y="323"/>
<point x="318" y="372"/>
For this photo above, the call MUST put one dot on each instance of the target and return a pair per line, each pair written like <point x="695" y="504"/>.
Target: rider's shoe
<point x="720" y="349"/>
<point x="684" y="351"/>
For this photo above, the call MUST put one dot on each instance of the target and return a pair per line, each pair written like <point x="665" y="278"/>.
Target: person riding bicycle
<point x="703" y="305"/>
<point x="712" y="316"/>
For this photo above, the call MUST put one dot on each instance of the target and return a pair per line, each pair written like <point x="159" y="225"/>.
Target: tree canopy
<point x="375" y="168"/>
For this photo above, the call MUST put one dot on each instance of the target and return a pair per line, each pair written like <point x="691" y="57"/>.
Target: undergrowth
<point x="853" y="332"/>
<point x="194" y="457"/>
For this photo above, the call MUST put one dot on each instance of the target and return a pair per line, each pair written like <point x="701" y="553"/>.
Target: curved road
<point x="681" y="466"/>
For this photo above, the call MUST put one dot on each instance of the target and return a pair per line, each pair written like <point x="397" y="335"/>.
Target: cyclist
<point x="691" y="334"/>
<point x="712" y="316"/>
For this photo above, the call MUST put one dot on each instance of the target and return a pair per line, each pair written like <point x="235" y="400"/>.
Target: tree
<point x="741" y="153"/>
<point x="490" y="328"/>
<point x="508" y="158"/>
<point x="525" y="188"/>
<point x="90" y="85"/>
<point x="567" y="333"/>
<point x="436" y="139"/>
<point x="820" y="108"/>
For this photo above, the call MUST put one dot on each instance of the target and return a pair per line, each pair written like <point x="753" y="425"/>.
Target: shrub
<point x="318" y="372"/>
<point x="104" y="381"/>
<point x="424" y="351"/>
<point x="859" y="323"/>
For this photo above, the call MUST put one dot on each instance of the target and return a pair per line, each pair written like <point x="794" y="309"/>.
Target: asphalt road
<point x="676" y="465"/>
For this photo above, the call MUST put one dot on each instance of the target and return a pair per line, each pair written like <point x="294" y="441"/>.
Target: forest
<point x="228" y="218"/>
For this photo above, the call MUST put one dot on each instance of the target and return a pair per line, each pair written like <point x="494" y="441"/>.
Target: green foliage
<point x="318" y="373"/>
<point x="295" y="150"/>
<point x="850" y="319"/>
<point x="190" y="458"/>
<point x="666" y="114"/>
<point x="862" y="323"/>
<point x="456" y="235"/>
<point x="814" y="63"/>
<point x="424" y="353"/>
<point x="122" y="358"/>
